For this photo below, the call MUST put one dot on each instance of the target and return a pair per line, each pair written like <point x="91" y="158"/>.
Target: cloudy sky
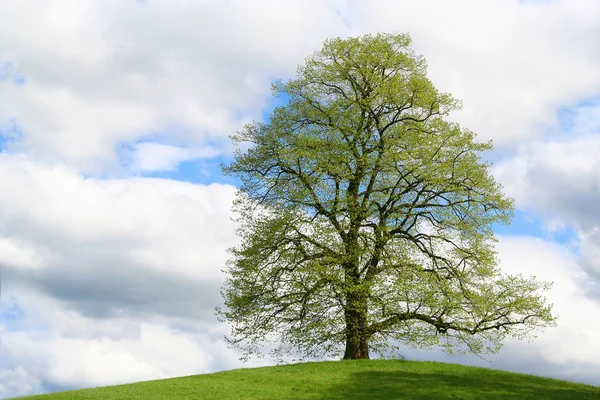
<point x="114" y="217"/>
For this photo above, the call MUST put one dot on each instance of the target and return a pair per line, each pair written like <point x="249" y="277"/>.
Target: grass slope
<point x="357" y="379"/>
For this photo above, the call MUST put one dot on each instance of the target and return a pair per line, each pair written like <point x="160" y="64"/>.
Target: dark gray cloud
<point x="110" y="292"/>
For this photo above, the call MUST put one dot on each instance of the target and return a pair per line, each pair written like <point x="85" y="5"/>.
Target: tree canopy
<point x="365" y="217"/>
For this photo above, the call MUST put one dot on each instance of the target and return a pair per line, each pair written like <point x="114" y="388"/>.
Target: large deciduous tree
<point x="366" y="217"/>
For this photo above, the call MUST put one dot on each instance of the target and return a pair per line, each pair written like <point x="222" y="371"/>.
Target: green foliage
<point x="356" y="379"/>
<point x="365" y="217"/>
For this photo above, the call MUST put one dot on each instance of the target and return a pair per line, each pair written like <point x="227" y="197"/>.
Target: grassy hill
<point x="360" y="379"/>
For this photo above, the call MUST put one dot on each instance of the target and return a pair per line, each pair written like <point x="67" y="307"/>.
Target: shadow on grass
<point x="391" y="385"/>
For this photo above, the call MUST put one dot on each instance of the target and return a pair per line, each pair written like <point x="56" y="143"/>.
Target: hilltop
<point x="356" y="379"/>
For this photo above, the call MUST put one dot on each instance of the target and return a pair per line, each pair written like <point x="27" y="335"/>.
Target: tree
<point x="365" y="217"/>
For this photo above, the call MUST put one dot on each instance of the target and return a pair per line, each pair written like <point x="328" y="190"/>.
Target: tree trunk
<point x="356" y="293"/>
<point x="356" y="348"/>
<point x="357" y="338"/>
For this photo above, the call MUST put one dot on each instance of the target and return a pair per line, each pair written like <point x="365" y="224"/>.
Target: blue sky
<point x="101" y="266"/>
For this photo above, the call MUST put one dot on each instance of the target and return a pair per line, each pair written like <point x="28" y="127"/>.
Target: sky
<point x="115" y="217"/>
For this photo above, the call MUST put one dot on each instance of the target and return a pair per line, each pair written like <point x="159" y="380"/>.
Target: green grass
<point x="360" y="379"/>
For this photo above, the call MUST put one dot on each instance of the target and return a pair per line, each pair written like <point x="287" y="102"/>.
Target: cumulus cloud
<point x="100" y="74"/>
<point x="512" y="62"/>
<point x="110" y="244"/>
<point x="559" y="179"/>
<point x="53" y="348"/>
<point x="148" y="156"/>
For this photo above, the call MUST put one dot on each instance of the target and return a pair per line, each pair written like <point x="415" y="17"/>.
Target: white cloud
<point x="19" y="254"/>
<point x="551" y="262"/>
<point x="102" y="74"/>
<point x="114" y="248"/>
<point x="53" y="216"/>
<point x="546" y="175"/>
<point x="148" y="156"/>
<point x="17" y="382"/>
<point x="157" y="353"/>
<point x="67" y="350"/>
<point x="512" y="62"/>
<point x="559" y="179"/>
